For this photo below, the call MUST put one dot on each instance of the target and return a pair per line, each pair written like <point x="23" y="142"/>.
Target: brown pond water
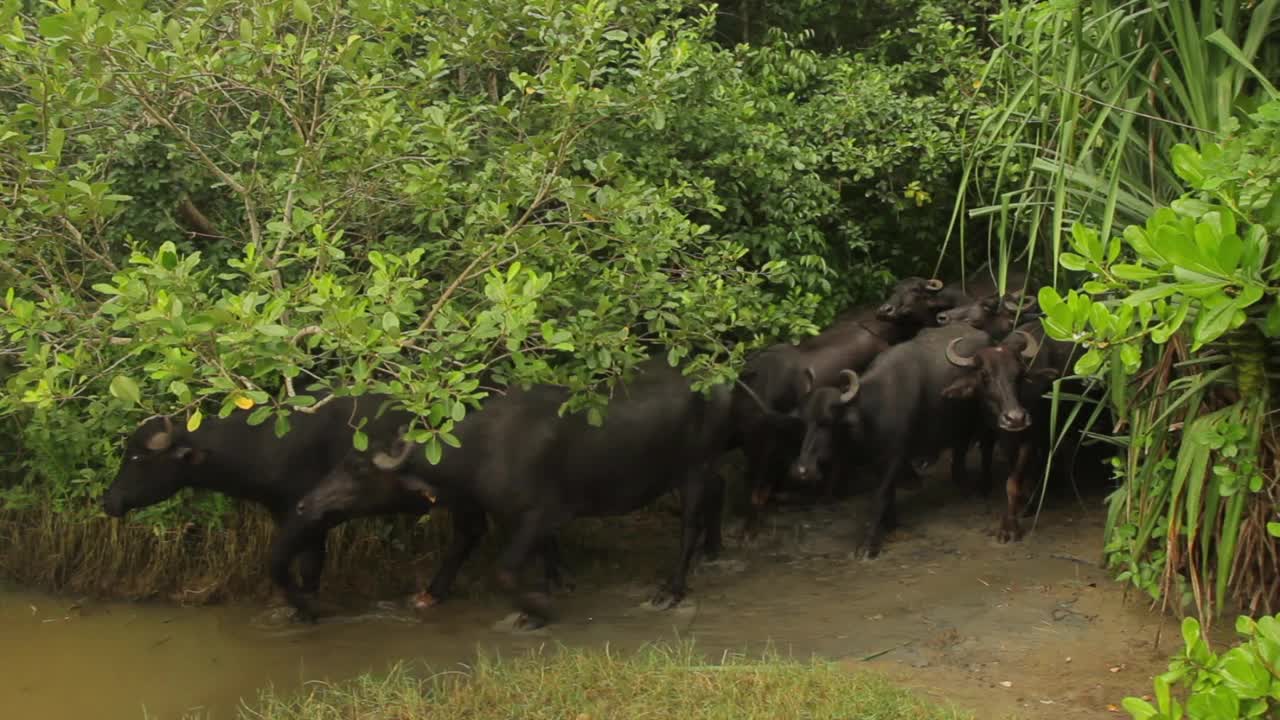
<point x="1028" y="630"/>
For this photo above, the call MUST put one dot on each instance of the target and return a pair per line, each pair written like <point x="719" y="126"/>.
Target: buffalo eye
<point x="135" y="458"/>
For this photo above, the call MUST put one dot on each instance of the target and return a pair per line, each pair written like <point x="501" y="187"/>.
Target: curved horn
<point x="384" y="461"/>
<point x="810" y="379"/>
<point x="955" y="358"/>
<point x="854" y="384"/>
<point x="1032" y="345"/>
<point x="161" y="440"/>
<point x="1018" y="301"/>
<point x="933" y="285"/>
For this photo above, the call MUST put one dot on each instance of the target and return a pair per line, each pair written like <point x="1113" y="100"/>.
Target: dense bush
<point x="211" y="208"/>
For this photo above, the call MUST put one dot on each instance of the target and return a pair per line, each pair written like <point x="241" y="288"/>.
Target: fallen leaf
<point x="1113" y="708"/>
<point x="1117" y="668"/>
<point x="1006" y="683"/>
<point x="1068" y="659"/>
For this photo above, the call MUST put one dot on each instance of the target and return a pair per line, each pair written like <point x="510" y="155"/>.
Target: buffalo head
<point x="998" y="372"/>
<point x="994" y="315"/>
<point x="914" y="299"/>
<point x="159" y="459"/>
<point x="824" y="414"/>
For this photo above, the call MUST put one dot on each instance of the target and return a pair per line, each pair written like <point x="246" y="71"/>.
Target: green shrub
<point x="1243" y="682"/>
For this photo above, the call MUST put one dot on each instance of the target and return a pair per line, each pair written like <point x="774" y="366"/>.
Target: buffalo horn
<point x="1032" y="345"/>
<point x="955" y="358"/>
<point x="384" y="461"/>
<point x="1018" y="301"/>
<point x="933" y="285"/>
<point x="163" y="439"/>
<point x="810" y="380"/>
<point x="854" y="384"/>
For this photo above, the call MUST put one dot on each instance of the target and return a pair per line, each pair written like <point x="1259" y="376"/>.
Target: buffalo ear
<point x="1047" y="373"/>
<point x="963" y="387"/>
<point x="187" y="454"/>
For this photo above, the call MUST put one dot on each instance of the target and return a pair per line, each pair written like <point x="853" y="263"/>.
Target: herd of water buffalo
<point x="880" y="391"/>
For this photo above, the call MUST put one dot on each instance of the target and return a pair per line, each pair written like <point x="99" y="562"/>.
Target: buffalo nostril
<point x="942" y="318"/>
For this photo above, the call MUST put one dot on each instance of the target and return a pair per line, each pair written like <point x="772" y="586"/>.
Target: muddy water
<point x="1032" y="629"/>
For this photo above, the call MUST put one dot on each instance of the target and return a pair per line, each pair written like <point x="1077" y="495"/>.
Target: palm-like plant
<point x="1090" y="101"/>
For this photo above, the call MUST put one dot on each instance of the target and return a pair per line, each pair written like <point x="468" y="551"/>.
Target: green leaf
<point x="1188" y="164"/>
<point x="390" y="322"/>
<point x="616" y="35"/>
<point x="126" y="389"/>
<point x="1274" y="529"/>
<point x="1089" y="363"/>
<point x="1146" y="295"/>
<point x="1271" y="324"/>
<point x="434" y="450"/>
<point x="1244" y="674"/>
<point x="1126" y="271"/>
<point x="1216" y="703"/>
<point x="1130" y="357"/>
<point x="1072" y="261"/>
<point x="193" y="422"/>
<point x="1214" y="319"/>
<point x="360" y="441"/>
<point x="301" y="401"/>
<point x="1140" y="709"/>
<point x="273" y="330"/>
<point x="302" y="10"/>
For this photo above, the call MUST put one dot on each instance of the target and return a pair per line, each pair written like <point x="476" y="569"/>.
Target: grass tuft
<point x="659" y="681"/>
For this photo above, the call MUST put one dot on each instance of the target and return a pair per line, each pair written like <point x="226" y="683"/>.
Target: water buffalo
<point x="535" y="471"/>
<point x="249" y="462"/>
<point x="781" y="376"/>
<point x="1012" y="379"/>
<point x="995" y="315"/>
<point x="896" y="412"/>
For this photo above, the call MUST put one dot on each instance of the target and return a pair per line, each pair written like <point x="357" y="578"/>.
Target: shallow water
<point x="944" y="596"/>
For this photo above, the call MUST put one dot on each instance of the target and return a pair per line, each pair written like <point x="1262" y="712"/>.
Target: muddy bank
<point x="1033" y="628"/>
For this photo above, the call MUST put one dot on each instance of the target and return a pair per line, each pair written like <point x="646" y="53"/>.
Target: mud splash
<point x="1033" y="629"/>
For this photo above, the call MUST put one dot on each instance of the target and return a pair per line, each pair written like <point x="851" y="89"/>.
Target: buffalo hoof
<point x="425" y="601"/>
<point x="306" y="615"/>
<point x="1010" y="531"/>
<point x="664" y="600"/>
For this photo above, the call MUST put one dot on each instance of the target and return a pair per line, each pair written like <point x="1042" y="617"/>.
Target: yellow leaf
<point x="244" y="402"/>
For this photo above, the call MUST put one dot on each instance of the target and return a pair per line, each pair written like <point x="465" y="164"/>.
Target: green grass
<point x="660" y="681"/>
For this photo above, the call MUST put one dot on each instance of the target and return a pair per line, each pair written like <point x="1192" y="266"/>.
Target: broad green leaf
<point x="1072" y="261"/>
<point x="1125" y="271"/>
<point x="1243" y="673"/>
<point x="434" y="450"/>
<point x="193" y="422"/>
<point x="360" y="441"/>
<point x="1214" y="319"/>
<point x="125" y="389"/>
<point x="1138" y="708"/>
<point x="302" y="10"/>
<point x="1089" y="363"/>
<point x="1187" y="164"/>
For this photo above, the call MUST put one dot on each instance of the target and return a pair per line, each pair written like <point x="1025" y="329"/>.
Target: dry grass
<point x="657" y="682"/>
<point x="101" y="557"/>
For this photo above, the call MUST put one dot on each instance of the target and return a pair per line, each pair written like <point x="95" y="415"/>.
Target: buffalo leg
<point x="694" y="496"/>
<point x="290" y="541"/>
<point x="1009" y="527"/>
<point x="883" y="511"/>
<point x="535" y="606"/>
<point x="759" y="479"/>
<point x="311" y="564"/>
<point x="554" y="570"/>
<point x="987" y="444"/>
<point x="713" y="517"/>
<point x="469" y="528"/>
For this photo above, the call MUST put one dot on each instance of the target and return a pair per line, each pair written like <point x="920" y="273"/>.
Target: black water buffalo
<point x="996" y="315"/>
<point x="249" y="462"/>
<point x="535" y="471"/>
<point x="896" y="412"/>
<point x="1012" y="379"/>
<point x="781" y="376"/>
